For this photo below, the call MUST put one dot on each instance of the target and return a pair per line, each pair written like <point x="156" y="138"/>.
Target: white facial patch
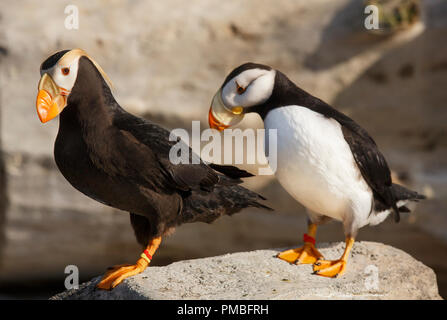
<point x="71" y="60"/>
<point x="258" y="85"/>
<point x="63" y="80"/>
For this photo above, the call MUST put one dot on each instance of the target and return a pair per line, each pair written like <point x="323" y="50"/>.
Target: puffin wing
<point x="182" y="176"/>
<point x="369" y="159"/>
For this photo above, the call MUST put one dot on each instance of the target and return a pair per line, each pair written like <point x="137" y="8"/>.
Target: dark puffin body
<point x="123" y="161"/>
<point x="369" y="159"/>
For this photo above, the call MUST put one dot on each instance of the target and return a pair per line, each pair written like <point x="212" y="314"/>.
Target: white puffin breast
<point x="316" y="166"/>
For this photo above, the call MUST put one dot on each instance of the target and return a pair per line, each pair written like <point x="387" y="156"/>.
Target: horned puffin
<point x="325" y="160"/>
<point x="123" y="161"/>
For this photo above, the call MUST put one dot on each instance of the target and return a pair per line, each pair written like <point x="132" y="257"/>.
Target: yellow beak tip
<point x="237" y="110"/>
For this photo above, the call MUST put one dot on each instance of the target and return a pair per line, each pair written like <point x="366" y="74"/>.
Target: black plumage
<point x="123" y="161"/>
<point x="52" y="60"/>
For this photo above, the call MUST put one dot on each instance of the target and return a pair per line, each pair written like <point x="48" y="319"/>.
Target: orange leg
<point x="117" y="274"/>
<point x="306" y="254"/>
<point x="335" y="268"/>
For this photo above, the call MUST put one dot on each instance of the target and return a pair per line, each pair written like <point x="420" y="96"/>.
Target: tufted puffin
<point x="325" y="160"/>
<point x="123" y="161"/>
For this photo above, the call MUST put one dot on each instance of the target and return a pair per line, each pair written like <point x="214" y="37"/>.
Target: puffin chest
<point x="74" y="161"/>
<point x="71" y="156"/>
<point x="314" y="162"/>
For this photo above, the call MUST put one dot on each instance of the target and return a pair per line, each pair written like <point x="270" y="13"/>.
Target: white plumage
<point x="317" y="168"/>
<point x="258" y="86"/>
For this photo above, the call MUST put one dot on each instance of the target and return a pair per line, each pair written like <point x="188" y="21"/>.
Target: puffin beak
<point x="51" y="99"/>
<point x="220" y="117"/>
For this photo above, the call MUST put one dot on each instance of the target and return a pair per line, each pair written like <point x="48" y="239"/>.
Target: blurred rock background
<point x="166" y="60"/>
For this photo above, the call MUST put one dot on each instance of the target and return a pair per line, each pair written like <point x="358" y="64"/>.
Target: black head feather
<point x="244" y="67"/>
<point x="52" y="60"/>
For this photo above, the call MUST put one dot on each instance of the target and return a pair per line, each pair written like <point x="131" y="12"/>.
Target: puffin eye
<point x="65" y="71"/>
<point x="240" y="90"/>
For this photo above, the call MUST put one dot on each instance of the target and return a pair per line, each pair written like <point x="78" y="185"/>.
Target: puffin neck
<point x="284" y="93"/>
<point x="91" y="101"/>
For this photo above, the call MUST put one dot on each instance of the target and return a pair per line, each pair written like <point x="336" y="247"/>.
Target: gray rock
<point x="375" y="271"/>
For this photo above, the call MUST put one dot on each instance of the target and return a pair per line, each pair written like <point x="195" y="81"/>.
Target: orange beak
<point x="214" y="123"/>
<point x="220" y="117"/>
<point x="51" y="99"/>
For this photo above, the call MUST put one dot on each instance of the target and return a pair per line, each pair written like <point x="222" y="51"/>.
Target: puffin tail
<point x="241" y="198"/>
<point x="230" y="171"/>
<point x="226" y="199"/>
<point x="231" y="176"/>
<point x="256" y="204"/>
<point x="402" y="195"/>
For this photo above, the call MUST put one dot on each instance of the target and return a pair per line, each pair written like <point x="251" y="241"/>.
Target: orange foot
<point x="328" y="268"/>
<point x="307" y="254"/>
<point x="117" y="274"/>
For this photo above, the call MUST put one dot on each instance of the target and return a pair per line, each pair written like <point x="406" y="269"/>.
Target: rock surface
<point x="375" y="271"/>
